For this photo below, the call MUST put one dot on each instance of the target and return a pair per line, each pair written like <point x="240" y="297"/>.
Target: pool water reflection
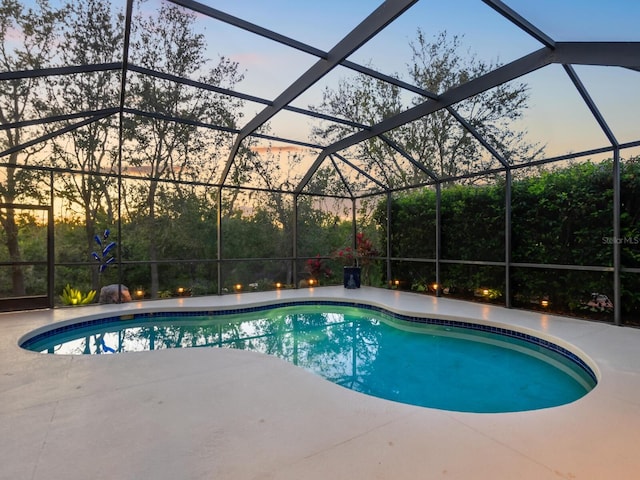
<point x="367" y="351"/>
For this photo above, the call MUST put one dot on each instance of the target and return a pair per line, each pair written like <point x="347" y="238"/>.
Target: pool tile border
<point x="532" y="339"/>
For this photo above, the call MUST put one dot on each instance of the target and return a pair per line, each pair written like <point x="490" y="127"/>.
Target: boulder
<point x="109" y="294"/>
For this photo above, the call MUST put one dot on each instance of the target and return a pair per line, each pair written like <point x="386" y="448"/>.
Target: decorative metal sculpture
<point x="104" y="257"/>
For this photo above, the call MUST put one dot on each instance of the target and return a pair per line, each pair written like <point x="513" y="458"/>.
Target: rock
<point x="109" y="294"/>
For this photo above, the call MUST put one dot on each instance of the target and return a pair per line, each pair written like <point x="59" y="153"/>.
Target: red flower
<point x="363" y="253"/>
<point x="315" y="268"/>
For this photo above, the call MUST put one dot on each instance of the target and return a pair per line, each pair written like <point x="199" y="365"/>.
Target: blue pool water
<point x="440" y="365"/>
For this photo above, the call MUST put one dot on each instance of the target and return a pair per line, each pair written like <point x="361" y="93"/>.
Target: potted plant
<point x="351" y="269"/>
<point x="356" y="261"/>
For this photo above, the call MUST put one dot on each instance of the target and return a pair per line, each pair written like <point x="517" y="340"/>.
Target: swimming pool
<point x="440" y="363"/>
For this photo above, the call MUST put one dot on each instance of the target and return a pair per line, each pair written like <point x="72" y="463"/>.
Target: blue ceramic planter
<point x="352" y="277"/>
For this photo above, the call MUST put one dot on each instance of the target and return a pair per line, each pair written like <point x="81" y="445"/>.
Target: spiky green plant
<point x="73" y="296"/>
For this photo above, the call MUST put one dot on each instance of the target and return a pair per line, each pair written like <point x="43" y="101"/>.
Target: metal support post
<point x="438" y="235"/>
<point x="507" y="239"/>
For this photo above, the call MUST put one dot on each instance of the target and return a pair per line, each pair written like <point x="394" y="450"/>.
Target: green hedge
<point x="563" y="216"/>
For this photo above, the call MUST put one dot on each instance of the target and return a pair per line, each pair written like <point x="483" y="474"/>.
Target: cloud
<point x="247" y="59"/>
<point x="14" y="35"/>
<point x="277" y="149"/>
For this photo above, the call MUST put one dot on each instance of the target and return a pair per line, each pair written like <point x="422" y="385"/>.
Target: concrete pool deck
<point x="231" y="414"/>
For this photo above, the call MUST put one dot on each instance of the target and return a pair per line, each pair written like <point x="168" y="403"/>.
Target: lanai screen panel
<point x="615" y="91"/>
<point x="483" y="36"/>
<point x="318" y="24"/>
<point x="576" y="20"/>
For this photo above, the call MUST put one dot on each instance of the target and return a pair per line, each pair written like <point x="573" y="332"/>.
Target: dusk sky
<point x="557" y="116"/>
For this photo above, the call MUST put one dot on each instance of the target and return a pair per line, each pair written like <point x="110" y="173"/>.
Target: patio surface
<point x="231" y="414"/>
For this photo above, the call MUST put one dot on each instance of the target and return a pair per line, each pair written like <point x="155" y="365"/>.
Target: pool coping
<point x="548" y="342"/>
